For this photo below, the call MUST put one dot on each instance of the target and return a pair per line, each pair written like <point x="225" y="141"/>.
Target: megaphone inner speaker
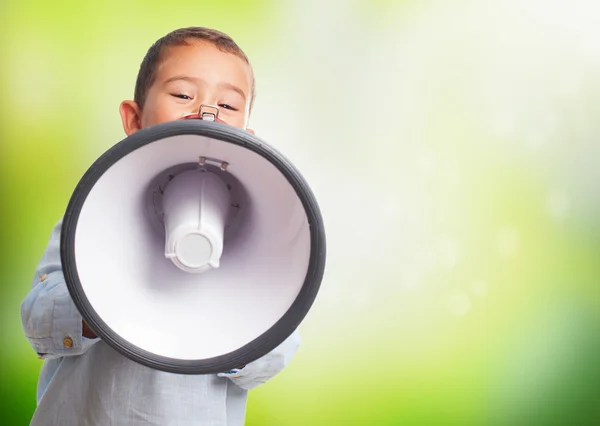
<point x="193" y="247"/>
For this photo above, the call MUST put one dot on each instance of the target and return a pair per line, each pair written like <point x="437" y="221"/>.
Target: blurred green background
<point x="453" y="146"/>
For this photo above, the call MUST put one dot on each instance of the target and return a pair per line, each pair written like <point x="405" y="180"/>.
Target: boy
<point x="83" y="381"/>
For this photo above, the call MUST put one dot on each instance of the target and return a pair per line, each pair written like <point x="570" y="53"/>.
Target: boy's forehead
<point x="202" y="59"/>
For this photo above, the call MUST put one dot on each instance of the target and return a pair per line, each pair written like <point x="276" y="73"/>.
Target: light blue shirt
<point x="84" y="382"/>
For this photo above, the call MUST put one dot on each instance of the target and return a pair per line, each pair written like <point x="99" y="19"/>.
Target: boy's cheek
<point x="152" y="119"/>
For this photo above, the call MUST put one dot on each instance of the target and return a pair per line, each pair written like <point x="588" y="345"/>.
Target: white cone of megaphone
<point x="193" y="247"/>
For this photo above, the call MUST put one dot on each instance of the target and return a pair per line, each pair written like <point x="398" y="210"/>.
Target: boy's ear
<point x="130" y="116"/>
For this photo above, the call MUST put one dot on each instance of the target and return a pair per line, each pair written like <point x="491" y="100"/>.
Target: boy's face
<point x="189" y="76"/>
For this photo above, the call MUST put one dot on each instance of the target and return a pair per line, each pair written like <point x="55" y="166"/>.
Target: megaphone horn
<point x="198" y="228"/>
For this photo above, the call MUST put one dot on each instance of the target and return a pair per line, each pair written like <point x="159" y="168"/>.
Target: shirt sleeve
<point x="51" y="322"/>
<point x="267" y="367"/>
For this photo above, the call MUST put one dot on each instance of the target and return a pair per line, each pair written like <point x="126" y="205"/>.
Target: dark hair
<point x="147" y="72"/>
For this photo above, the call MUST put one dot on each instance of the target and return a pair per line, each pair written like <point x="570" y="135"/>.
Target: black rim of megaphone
<point x="255" y="349"/>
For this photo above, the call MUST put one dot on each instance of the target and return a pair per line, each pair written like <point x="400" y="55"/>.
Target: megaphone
<point x="193" y="247"/>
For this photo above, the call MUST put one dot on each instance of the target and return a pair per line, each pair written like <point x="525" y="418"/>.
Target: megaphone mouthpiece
<point x="205" y="112"/>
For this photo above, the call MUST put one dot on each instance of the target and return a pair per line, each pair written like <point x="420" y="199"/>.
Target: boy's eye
<point x="225" y="106"/>
<point x="181" y="96"/>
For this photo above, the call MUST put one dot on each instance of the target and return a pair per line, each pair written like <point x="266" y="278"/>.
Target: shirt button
<point x="68" y="342"/>
<point x="43" y="277"/>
